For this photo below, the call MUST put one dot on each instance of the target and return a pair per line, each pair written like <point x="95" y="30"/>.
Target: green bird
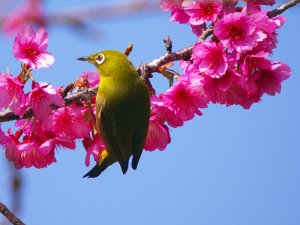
<point x="122" y="110"/>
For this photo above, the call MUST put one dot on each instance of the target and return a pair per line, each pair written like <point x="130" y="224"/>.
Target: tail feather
<point x="135" y="161"/>
<point x="138" y="144"/>
<point x="124" y="166"/>
<point x="105" y="161"/>
<point x="96" y="171"/>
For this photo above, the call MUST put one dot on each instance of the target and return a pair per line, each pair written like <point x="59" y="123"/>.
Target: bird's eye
<point x="100" y="59"/>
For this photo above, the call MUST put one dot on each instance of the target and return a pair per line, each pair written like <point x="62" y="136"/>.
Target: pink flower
<point x="185" y="97"/>
<point x="69" y="121"/>
<point x="252" y="63"/>
<point x="27" y="153"/>
<point x="263" y="76"/>
<point x="269" y="80"/>
<point x="201" y="11"/>
<point x="197" y="29"/>
<point x="44" y="136"/>
<point x="228" y="89"/>
<point x="31" y="154"/>
<point x="42" y="97"/>
<point x="267" y="27"/>
<point x="12" y="94"/>
<point x="94" y="146"/>
<point x="163" y="113"/>
<point x="253" y="6"/>
<point x="38" y="146"/>
<point x="238" y="32"/>
<point x="30" y="48"/>
<point x="189" y="68"/>
<point x="158" y="136"/>
<point x="3" y="138"/>
<point x="91" y="77"/>
<point x="210" y="58"/>
<point x="9" y="143"/>
<point x="177" y="12"/>
<point x="30" y="12"/>
<point x="262" y="2"/>
<point x="229" y="7"/>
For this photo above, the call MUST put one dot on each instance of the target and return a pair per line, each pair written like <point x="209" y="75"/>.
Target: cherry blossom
<point x="42" y="97"/>
<point x="12" y="94"/>
<point x="30" y="47"/>
<point x="158" y="136"/>
<point x="210" y="58"/>
<point x="201" y="11"/>
<point x="238" y="32"/>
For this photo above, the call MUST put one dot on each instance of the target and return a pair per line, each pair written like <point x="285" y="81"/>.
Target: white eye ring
<point x="100" y="59"/>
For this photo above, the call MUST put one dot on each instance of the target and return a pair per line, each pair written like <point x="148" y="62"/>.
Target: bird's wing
<point x="108" y="125"/>
<point x="143" y="122"/>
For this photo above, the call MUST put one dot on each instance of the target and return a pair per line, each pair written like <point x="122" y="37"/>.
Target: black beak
<point x="85" y="58"/>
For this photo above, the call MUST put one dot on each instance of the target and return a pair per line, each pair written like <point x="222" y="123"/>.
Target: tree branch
<point x="282" y="8"/>
<point x="150" y="67"/>
<point x="9" y="215"/>
<point x="184" y="54"/>
<point x="8" y="115"/>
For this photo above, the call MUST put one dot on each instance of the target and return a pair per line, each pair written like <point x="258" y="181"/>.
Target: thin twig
<point x="168" y="44"/>
<point x="9" y="215"/>
<point x="184" y="54"/>
<point x="282" y="8"/>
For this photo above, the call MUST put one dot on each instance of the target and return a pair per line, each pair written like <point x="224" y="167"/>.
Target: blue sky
<point x="231" y="166"/>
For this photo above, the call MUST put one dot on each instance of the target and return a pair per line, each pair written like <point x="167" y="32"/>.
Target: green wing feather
<point x="123" y="119"/>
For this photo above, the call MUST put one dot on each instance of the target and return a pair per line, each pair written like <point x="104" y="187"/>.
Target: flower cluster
<point x="231" y="68"/>
<point x="54" y="124"/>
<point x="233" y="64"/>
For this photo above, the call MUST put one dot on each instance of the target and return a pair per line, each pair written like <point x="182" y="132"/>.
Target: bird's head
<point x="109" y="62"/>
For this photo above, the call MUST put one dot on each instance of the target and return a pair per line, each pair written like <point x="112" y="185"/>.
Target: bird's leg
<point x="146" y="75"/>
<point x="170" y="75"/>
<point x="87" y="97"/>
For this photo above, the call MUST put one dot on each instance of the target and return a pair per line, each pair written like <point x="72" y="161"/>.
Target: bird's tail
<point x="105" y="161"/>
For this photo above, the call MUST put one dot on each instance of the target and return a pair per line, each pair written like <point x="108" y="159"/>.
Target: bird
<point x="122" y="110"/>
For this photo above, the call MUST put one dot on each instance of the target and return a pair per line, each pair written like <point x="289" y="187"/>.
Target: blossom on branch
<point x="30" y="48"/>
<point x="12" y="94"/>
<point x="254" y="6"/>
<point x="185" y="98"/>
<point x="69" y="121"/>
<point x="210" y="58"/>
<point x="238" y="32"/>
<point x="158" y="136"/>
<point x="163" y="113"/>
<point x="94" y="147"/>
<point x="41" y="99"/>
<point x="30" y="152"/>
<point x="201" y="11"/>
<point x="177" y="9"/>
